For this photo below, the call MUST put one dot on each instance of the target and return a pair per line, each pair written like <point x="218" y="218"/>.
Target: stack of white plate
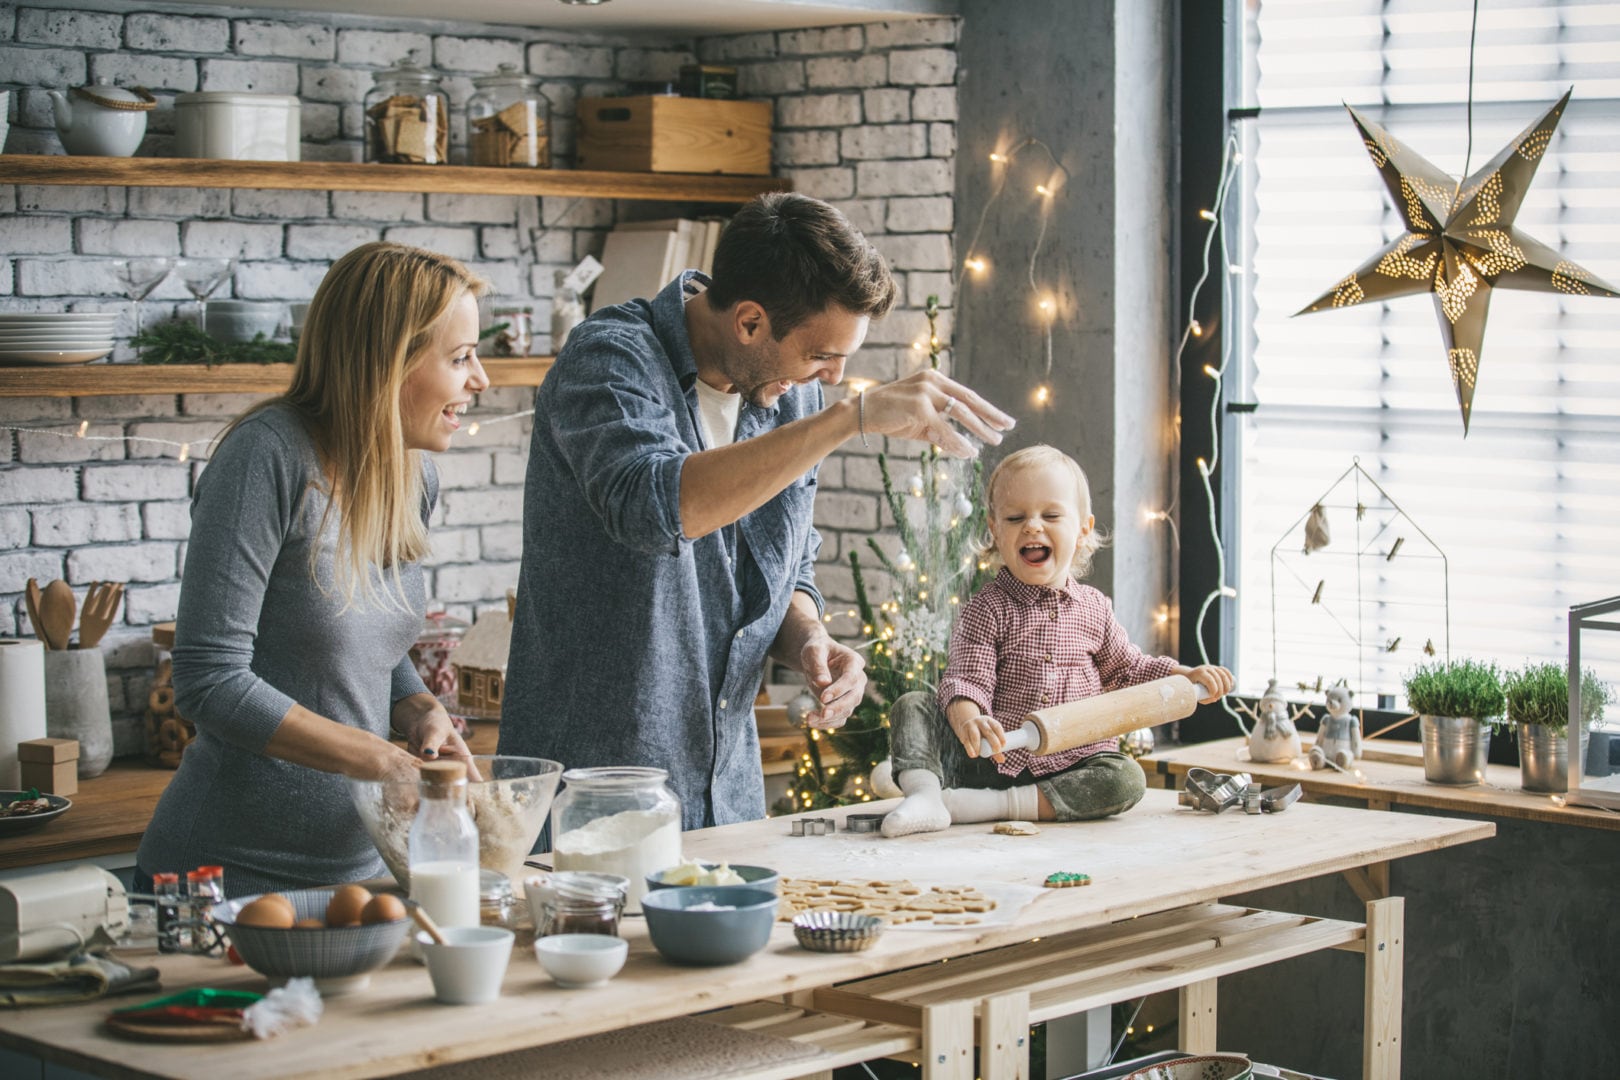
<point x="56" y="338"/>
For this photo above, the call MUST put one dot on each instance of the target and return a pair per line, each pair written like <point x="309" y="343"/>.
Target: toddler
<point x="1031" y="638"/>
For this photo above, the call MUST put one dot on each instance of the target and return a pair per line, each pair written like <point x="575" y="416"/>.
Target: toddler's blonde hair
<point x="1029" y="459"/>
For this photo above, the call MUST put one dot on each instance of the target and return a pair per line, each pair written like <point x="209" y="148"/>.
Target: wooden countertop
<point x="111" y="811"/>
<point x="1392" y="776"/>
<point x="1155" y="858"/>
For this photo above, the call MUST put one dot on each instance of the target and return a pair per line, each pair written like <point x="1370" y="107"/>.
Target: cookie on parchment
<point x="1016" y="828"/>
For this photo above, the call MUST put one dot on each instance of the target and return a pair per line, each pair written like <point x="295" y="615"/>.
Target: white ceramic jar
<point x="237" y="126"/>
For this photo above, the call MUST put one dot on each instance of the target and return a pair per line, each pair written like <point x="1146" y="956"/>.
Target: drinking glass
<point x="138" y="277"/>
<point x="202" y="277"/>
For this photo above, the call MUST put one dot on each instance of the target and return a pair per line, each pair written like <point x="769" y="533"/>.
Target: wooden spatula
<point x="99" y="611"/>
<point x="33" y="598"/>
<point x="57" y="606"/>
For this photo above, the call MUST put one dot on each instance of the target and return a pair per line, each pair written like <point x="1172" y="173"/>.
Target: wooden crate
<point x="674" y="134"/>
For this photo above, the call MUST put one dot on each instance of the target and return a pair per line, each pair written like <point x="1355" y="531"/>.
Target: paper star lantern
<point x="1460" y="243"/>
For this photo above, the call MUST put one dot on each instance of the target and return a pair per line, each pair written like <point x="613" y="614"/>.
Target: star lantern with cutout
<point x="1460" y="243"/>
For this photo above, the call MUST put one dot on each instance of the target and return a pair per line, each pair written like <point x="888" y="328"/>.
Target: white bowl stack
<point x="56" y="338"/>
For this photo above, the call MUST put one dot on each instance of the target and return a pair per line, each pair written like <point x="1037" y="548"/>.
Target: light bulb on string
<point x="977" y="264"/>
<point x="1196" y="328"/>
<point x="1042" y="394"/>
<point x="1207" y="215"/>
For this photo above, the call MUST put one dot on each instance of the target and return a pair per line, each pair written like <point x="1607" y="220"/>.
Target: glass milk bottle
<point x="444" y="847"/>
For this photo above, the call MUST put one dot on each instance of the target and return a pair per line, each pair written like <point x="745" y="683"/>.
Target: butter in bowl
<point x="701" y="872"/>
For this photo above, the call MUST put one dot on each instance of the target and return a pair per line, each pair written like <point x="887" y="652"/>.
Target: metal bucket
<point x="1543" y="759"/>
<point x="1454" y="749"/>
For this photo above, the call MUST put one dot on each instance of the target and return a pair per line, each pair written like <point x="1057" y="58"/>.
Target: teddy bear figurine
<point x="1338" y="738"/>
<point x="1274" y="738"/>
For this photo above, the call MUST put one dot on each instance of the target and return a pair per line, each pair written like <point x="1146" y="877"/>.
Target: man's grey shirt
<point x="633" y="645"/>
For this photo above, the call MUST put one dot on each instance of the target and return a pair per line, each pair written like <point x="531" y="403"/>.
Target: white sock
<point x="921" y="810"/>
<point x="882" y="781"/>
<point x="966" y="805"/>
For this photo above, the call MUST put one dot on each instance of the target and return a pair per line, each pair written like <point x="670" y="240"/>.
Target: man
<point x="667" y="535"/>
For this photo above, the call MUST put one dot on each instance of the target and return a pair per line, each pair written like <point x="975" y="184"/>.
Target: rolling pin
<point x="1092" y="719"/>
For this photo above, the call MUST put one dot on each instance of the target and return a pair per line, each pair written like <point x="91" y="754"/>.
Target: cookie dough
<point x="1016" y="828"/>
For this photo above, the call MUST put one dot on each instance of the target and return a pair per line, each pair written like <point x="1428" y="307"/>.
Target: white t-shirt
<point x="718" y="414"/>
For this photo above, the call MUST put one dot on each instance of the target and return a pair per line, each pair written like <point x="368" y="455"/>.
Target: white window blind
<point x="1527" y="509"/>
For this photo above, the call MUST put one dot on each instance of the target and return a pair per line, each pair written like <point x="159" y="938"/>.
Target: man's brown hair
<point x="795" y="256"/>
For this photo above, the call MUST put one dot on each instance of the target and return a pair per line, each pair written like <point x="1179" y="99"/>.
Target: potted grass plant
<point x="1538" y="701"/>
<point x="1457" y="703"/>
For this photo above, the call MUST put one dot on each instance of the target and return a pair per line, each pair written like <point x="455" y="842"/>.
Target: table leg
<point x="1381" y="1006"/>
<point x="1004" y="1037"/>
<point x="1369" y="882"/>
<point x="947" y="1041"/>
<point x="1197" y="1026"/>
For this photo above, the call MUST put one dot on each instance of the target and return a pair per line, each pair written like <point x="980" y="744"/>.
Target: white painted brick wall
<point x="856" y="110"/>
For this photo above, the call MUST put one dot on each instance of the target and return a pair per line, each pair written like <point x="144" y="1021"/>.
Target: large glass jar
<point x="617" y="820"/>
<point x="407" y="117"/>
<point x="509" y="121"/>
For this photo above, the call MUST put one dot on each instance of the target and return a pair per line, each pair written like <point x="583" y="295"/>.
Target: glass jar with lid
<point x="577" y="902"/>
<point x="509" y="121"/>
<point x="407" y="117"/>
<point x="619" y="820"/>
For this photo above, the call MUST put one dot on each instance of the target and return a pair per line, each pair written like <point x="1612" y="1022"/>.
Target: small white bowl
<point x="468" y="968"/>
<point x="576" y="960"/>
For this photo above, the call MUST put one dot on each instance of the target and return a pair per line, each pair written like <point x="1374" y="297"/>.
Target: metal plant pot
<point x="1543" y="759"/>
<point x="1454" y="749"/>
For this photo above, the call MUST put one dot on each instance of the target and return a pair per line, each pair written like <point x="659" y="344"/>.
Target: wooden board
<point x="1154" y="858"/>
<point x="100" y="380"/>
<point x="1393" y="777"/>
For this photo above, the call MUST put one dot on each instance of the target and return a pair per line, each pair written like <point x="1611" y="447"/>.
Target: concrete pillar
<point x="1093" y="80"/>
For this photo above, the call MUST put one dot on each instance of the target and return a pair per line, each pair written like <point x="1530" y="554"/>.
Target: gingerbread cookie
<point x="1016" y="828"/>
<point x="1066" y="879"/>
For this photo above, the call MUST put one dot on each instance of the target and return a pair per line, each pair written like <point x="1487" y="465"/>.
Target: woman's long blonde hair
<point x="371" y="323"/>
<point x="1042" y="456"/>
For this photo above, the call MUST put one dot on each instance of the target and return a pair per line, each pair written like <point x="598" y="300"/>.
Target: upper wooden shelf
<point x="348" y="176"/>
<point x="100" y="380"/>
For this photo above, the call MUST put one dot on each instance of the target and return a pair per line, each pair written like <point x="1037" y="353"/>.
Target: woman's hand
<point x="429" y="734"/>
<point x="1212" y="677"/>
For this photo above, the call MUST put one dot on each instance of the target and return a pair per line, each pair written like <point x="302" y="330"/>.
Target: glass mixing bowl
<point x="509" y="805"/>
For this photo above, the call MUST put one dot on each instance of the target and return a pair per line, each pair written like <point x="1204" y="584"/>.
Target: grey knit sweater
<point x="255" y="634"/>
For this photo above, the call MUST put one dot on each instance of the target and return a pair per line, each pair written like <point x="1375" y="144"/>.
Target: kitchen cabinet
<point x="105" y="379"/>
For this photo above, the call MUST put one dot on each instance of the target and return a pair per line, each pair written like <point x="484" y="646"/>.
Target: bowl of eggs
<point x="337" y="937"/>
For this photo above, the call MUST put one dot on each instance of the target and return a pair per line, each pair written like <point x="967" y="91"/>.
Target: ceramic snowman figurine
<point x="1274" y="737"/>
<point x="1338" y="739"/>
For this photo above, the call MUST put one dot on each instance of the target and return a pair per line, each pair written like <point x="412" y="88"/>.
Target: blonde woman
<point x="303" y="589"/>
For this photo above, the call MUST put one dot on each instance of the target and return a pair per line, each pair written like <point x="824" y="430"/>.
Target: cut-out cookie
<point x="1016" y="828"/>
<point x="1066" y="879"/>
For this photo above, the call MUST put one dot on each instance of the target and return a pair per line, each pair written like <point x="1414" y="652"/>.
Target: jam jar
<point x="577" y="902"/>
<point x="621" y="820"/>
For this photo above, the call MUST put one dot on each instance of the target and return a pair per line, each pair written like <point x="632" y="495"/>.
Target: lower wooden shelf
<point x="100" y="380"/>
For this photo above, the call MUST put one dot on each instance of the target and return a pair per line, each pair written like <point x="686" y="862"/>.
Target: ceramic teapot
<point x="101" y="120"/>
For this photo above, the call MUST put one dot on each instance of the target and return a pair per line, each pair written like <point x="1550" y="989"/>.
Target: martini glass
<point x="202" y="277"/>
<point x="138" y="277"/>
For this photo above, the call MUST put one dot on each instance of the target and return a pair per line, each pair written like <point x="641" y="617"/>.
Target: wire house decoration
<point x="1358" y="592"/>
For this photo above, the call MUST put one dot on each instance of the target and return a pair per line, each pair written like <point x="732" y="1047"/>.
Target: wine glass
<point x="202" y="277"/>
<point x="138" y="277"/>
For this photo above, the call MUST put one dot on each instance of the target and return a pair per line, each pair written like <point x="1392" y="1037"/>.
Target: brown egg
<point x="309" y="924"/>
<point x="266" y="913"/>
<point x="277" y="898"/>
<point x="383" y="908"/>
<point x="346" y="905"/>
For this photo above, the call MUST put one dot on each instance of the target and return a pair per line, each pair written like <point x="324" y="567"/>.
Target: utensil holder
<point x="76" y="705"/>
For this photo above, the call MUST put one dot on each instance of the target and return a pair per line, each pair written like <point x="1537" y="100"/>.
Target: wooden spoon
<point x="57" y="607"/>
<point x="425" y="921"/>
<point x="100" y="608"/>
<point x="33" y="598"/>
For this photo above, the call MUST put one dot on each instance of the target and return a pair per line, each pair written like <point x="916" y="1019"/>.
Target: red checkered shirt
<point x="1018" y="647"/>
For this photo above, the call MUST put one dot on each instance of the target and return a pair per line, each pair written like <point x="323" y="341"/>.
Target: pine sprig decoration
<point x="936" y="517"/>
<point x="186" y="343"/>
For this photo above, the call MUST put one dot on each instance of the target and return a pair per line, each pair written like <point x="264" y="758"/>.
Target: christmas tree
<point x="937" y="520"/>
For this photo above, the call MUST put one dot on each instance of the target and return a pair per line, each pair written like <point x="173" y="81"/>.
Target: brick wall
<point x="865" y="118"/>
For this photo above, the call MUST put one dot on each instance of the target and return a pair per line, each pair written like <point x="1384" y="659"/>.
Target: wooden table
<point x="1391" y="775"/>
<point x="1155" y="859"/>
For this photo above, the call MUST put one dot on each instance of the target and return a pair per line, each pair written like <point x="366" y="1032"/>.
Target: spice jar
<point x="496" y="904"/>
<point x="569" y="902"/>
<point x="407" y="117"/>
<point x="515" y="338"/>
<point x="617" y="820"/>
<point x="509" y="121"/>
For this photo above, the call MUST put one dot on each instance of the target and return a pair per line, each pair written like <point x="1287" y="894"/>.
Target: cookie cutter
<point x="1214" y="791"/>
<point x="813" y="826"/>
<point x="864" y="823"/>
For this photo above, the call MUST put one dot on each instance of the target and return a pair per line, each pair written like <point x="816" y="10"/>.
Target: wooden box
<point x="674" y="134"/>
<point x="51" y="765"/>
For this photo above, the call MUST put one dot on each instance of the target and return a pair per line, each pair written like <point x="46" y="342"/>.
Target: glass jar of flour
<point x="617" y="820"/>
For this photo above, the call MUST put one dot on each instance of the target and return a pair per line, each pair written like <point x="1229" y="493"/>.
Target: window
<point x="1527" y="508"/>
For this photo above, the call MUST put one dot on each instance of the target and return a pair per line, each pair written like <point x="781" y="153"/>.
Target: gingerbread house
<point x="480" y="663"/>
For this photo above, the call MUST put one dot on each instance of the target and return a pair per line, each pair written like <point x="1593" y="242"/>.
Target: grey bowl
<point x="761" y="877"/>
<point x="242" y="320"/>
<point x="709" y="937"/>
<point x="335" y="956"/>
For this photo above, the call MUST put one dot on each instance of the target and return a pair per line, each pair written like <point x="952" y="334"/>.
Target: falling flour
<point x="632" y="844"/>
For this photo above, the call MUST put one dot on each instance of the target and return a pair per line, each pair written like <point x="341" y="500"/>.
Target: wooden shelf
<point x="100" y="380"/>
<point x="348" y="176"/>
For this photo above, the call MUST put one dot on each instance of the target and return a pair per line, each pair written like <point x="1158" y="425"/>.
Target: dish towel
<point x="83" y="976"/>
